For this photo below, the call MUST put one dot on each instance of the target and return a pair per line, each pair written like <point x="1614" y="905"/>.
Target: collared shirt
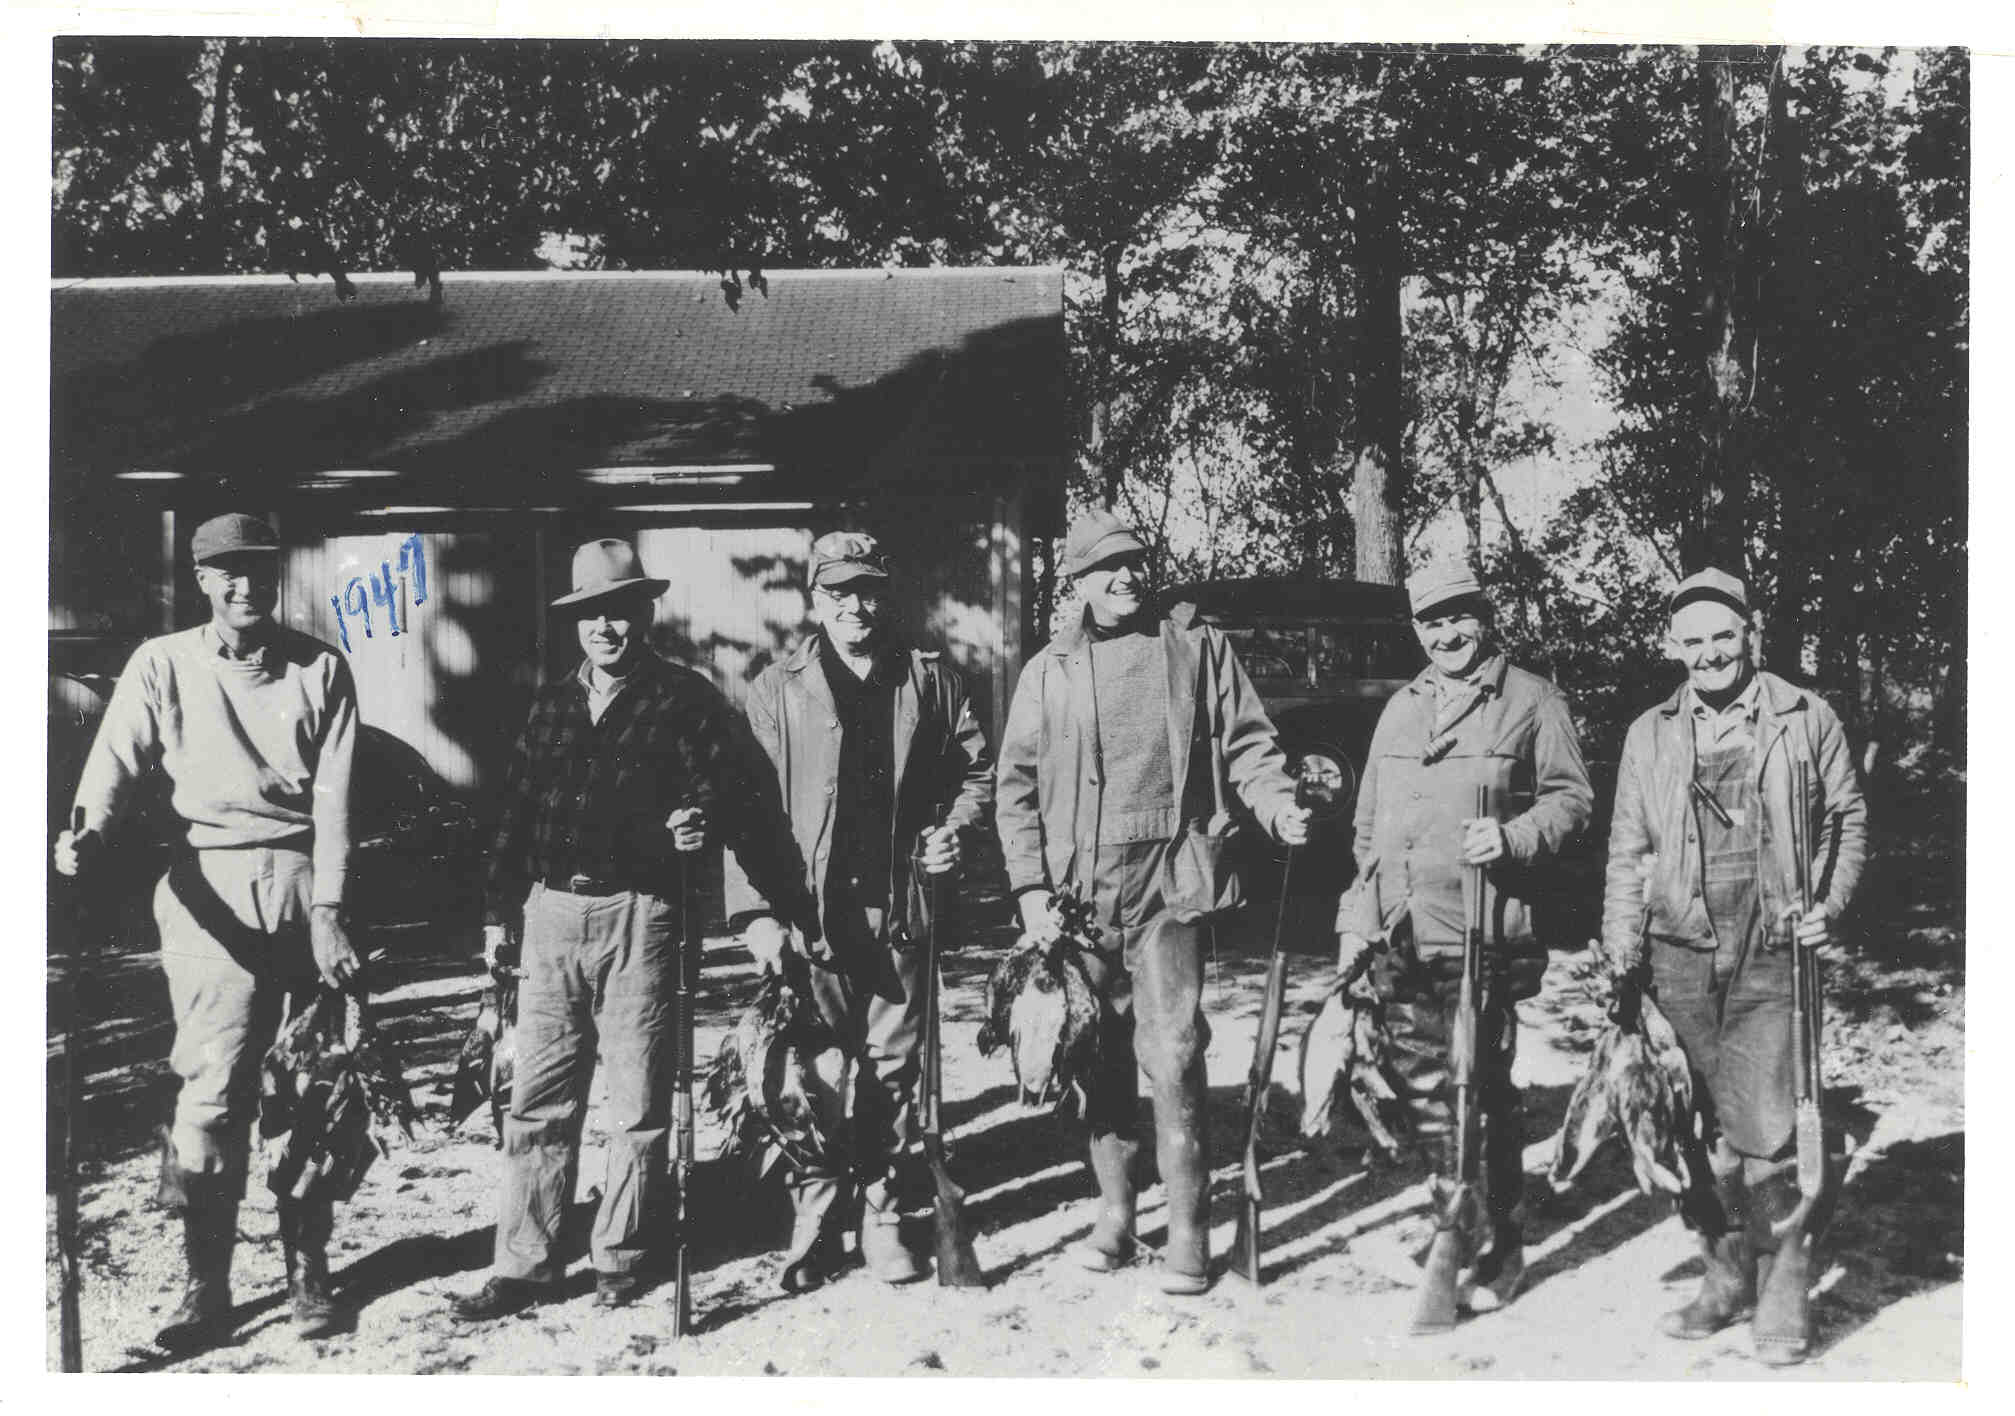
<point x="590" y="797"/>
<point x="864" y="800"/>
<point x="602" y="688"/>
<point x="1733" y="725"/>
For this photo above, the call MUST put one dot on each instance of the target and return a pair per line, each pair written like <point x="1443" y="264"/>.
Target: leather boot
<point x="1182" y="1151"/>
<point x="815" y="1254"/>
<point x="883" y="1248"/>
<point x="1499" y="1271"/>
<point x="1110" y="1245"/>
<point x="1781" y="1331"/>
<point x="305" y="1226"/>
<point x="209" y="1206"/>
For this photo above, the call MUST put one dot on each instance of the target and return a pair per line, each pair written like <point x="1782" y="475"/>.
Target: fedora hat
<point x="608" y="567"/>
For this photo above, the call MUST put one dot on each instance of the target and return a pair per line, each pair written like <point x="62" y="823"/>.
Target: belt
<point x="593" y="885"/>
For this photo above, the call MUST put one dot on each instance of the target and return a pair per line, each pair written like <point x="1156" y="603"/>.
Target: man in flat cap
<point x="624" y="762"/>
<point x="1128" y="733"/>
<point x="1469" y="720"/>
<point x="883" y="769"/>
<point x="253" y="727"/>
<point x="1702" y="887"/>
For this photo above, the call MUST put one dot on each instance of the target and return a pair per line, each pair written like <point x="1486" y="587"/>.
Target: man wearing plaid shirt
<point x="612" y="783"/>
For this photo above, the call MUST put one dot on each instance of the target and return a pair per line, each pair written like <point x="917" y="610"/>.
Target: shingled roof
<point x="517" y="377"/>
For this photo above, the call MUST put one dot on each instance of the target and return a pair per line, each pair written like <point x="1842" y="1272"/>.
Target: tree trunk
<point x="1379" y="424"/>
<point x="1718" y="536"/>
<point x="1787" y="274"/>
<point x="210" y="150"/>
<point x="1105" y="461"/>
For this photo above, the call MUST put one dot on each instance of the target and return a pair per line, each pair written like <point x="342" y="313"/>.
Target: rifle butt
<point x="682" y="1296"/>
<point x="1245" y="1244"/>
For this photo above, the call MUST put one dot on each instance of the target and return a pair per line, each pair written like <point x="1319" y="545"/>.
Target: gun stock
<point x="1258" y="1082"/>
<point x="1806" y="1017"/>
<point x="682" y="1101"/>
<point x="958" y="1266"/>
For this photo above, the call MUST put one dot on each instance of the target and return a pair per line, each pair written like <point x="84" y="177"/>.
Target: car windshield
<point x="1340" y="651"/>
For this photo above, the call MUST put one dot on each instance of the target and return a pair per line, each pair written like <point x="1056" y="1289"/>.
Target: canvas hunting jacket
<point x="1663" y="896"/>
<point x="1521" y="747"/>
<point x="942" y="762"/>
<point x="1050" y="777"/>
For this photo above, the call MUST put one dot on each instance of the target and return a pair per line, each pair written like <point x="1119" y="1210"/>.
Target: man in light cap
<point x="1470" y="720"/>
<point x="1128" y="734"/>
<point x="624" y="763"/>
<point x="876" y="751"/>
<point x="1702" y="889"/>
<point x="253" y="727"/>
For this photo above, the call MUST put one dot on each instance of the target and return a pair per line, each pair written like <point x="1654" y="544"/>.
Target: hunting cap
<point x="1430" y="589"/>
<point x="232" y="534"/>
<point x="1709" y="584"/>
<point x="607" y="567"/>
<point x="1097" y="535"/>
<point x="839" y="557"/>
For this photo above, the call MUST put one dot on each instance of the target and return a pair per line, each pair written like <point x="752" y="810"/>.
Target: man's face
<point x="1712" y="640"/>
<point x="613" y="629"/>
<point x="243" y="589"/>
<point x="1453" y="636"/>
<point x="1115" y="589"/>
<point x="850" y="613"/>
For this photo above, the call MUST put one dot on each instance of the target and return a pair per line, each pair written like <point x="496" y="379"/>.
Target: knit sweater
<point x="257" y="752"/>
<point x="1130" y="689"/>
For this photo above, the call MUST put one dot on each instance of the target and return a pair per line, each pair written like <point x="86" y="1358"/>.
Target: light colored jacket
<point x="941" y="763"/>
<point x="1521" y="747"/>
<point x="1051" y="781"/>
<point x="1655" y="817"/>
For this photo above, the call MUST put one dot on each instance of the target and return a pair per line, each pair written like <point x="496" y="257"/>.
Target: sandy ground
<point x="1339" y="1238"/>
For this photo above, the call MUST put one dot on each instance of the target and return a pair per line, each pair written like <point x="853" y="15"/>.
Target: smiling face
<point x="851" y="613"/>
<point x="243" y="589"/>
<point x="613" y="629"/>
<point x="1712" y="641"/>
<point x="1115" y="589"/>
<point x="1454" y="636"/>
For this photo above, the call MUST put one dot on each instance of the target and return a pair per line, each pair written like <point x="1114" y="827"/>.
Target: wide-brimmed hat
<point x="608" y="567"/>
<point x="1429" y="590"/>
<point x="232" y="534"/>
<point x="1709" y="584"/>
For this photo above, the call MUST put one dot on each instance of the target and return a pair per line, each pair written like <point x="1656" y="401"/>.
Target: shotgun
<point x="1437" y="1309"/>
<point x="958" y="1266"/>
<point x="1258" y="1080"/>
<point x="1806" y="1017"/>
<point x="682" y="1098"/>
<point x="69" y="1261"/>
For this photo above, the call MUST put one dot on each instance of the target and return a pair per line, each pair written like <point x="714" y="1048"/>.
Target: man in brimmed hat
<point x="1469" y="720"/>
<point x="1702" y="888"/>
<point x="1128" y="733"/>
<point x="876" y="751"/>
<point x="622" y="765"/>
<point x="253" y="726"/>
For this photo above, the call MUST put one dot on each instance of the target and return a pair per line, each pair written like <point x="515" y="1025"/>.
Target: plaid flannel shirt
<point x="591" y="798"/>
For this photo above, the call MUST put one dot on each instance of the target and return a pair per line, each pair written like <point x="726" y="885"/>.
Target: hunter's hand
<point x="1815" y="931"/>
<point x="498" y="945"/>
<point x="335" y="960"/>
<point x="1482" y="841"/>
<point x="688" y="826"/>
<point x="1292" y="827"/>
<point x="1350" y="952"/>
<point x="1039" y="922"/>
<point x="768" y="940"/>
<point x="75" y="852"/>
<point x="942" y="852"/>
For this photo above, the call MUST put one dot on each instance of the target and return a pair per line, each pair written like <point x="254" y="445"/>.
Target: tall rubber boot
<point x="814" y="1255"/>
<point x="1182" y="1151"/>
<point x="305" y="1226"/>
<point x="1781" y="1331"/>
<point x="1728" y="1279"/>
<point x="209" y="1206"/>
<point x="883" y="1248"/>
<point x="1110" y="1245"/>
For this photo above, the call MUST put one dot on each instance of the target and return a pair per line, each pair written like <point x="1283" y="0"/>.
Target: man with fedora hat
<point x="620" y="767"/>
<point x="1469" y="720"/>
<point x="253" y="728"/>
<point x="1128" y="733"/>
<point x="1702" y="888"/>
<point x="877" y="751"/>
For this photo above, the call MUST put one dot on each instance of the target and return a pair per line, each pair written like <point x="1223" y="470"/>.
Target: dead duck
<point x="1042" y="1007"/>
<point x="778" y="1081"/>
<point x="1638" y="1087"/>
<point x="1342" y="1068"/>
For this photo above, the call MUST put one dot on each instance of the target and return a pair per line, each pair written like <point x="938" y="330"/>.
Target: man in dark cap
<point x="1469" y="720"/>
<point x="1702" y="879"/>
<point x="876" y="750"/>
<point x="1127" y="734"/>
<point x="253" y="727"/>
<point x="624" y="761"/>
